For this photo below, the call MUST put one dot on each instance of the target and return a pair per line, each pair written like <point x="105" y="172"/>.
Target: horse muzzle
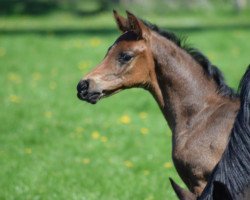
<point x="85" y="93"/>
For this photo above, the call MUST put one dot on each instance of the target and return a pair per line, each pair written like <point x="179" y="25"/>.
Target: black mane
<point x="233" y="169"/>
<point x="210" y="70"/>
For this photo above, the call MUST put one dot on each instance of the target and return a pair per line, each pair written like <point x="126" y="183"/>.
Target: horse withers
<point x="199" y="107"/>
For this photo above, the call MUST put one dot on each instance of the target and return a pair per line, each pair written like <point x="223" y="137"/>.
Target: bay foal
<point x="199" y="107"/>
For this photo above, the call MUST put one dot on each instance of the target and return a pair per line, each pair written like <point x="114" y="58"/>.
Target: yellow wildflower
<point x="95" y="42"/>
<point x="28" y="150"/>
<point x="125" y="119"/>
<point x="146" y="172"/>
<point x="212" y="56"/>
<point x="150" y="197"/>
<point x="143" y="115"/>
<point x="54" y="72"/>
<point x="168" y="165"/>
<point x="15" y="78"/>
<point x="2" y="52"/>
<point x="15" y="99"/>
<point x="36" y="76"/>
<point x="235" y="51"/>
<point x="84" y="65"/>
<point x="95" y="135"/>
<point x="86" y="161"/>
<point x="48" y="114"/>
<point x="52" y="85"/>
<point x="128" y="164"/>
<point x="104" y="139"/>
<point x="77" y="133"/>
<point x="144" y="131"/>
<point x="79" y="129"/>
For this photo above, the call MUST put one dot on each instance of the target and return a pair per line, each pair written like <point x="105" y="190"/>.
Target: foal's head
<point x="128" y="63"/>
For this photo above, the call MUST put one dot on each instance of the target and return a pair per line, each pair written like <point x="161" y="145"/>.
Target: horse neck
<point x="179" y="84"/>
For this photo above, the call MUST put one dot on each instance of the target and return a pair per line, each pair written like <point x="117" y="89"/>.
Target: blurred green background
<point x="53" y="146"/>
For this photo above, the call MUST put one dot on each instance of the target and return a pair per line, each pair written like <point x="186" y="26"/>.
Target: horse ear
<point x="121" y="22"/>
<point x="137" y="26"/>
<point x="221" y="191"/>
<point x="181" y="193"/>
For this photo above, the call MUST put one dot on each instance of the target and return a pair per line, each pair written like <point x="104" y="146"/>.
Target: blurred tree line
<point x="88" y="7"/>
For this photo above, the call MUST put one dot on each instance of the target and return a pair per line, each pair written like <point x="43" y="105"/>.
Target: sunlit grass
<point x="53" y="146"/>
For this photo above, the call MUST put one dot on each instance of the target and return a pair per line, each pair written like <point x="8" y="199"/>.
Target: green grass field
<point x="53" y="146"/>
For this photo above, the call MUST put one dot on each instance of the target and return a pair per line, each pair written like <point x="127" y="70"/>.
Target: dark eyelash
<point x="125" y="57"/>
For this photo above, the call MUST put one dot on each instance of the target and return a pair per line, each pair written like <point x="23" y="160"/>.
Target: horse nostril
<point x="83" y="86"/>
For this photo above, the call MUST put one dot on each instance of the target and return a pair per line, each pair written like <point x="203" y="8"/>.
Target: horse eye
<point x="125" y="57"/>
